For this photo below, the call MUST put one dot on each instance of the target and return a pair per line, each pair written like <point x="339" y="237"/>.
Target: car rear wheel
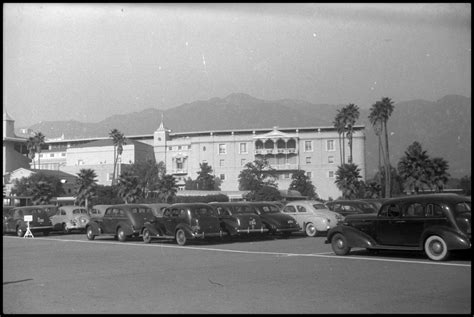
<point x="89" y="234"/>
<point x="146" y="235"/>
<point x="20" y="232"/>
<point x="339" y="244"/>
<point x="180" y="237"/>
<point x="436" y="249"/>
<point x="311" y="230"/>
<point x="121" y="235"/>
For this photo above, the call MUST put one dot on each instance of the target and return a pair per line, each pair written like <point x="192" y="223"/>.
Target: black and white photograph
<point x="237" y="158"/>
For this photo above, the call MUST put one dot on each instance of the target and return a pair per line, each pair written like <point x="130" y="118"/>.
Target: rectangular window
<point x="179" y="165"/>
<point x="243" y="148"/>
<point x="189" y="147"/>
<point x="330" y="145"/>
<point x="222" y="149"/>
<point x="308" y="146"/>
<point x="179" y="147"/>
<point x="309" y="174"/>
<point x="331" y="159"/>
<point x="243" y="162"/>
<point x="308" y="160"/>
<point x="170" y="148"/>
<point x="41" y="155"/>
<point x="286" y="175"/>
<point x="51" y="155"/>
<point x="63" y="154"/>
<point x="222" y="177"/>
<point x="109" y="177"/>
<point x="221" y="162"/>
<point x="331" y="174"/>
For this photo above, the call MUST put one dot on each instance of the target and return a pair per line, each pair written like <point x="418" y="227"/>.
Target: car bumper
<point x="248" y="230"/>
<point x="203" y="235"/>
<point x="42" y="228"/>
<point x="287" y="229"/>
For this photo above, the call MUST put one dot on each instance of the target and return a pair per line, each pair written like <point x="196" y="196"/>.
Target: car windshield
<point x="79" y="211"/>
<point x="202" y="211"/>
<point x="461" y="208"/>
<point x="268" y="209"/>
<point x="319" y="206"/>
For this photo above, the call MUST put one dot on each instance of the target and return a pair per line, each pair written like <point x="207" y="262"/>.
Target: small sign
<point x="28" y="217"/>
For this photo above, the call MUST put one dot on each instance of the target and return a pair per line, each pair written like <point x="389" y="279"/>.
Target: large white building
<point x="314" y="150"/>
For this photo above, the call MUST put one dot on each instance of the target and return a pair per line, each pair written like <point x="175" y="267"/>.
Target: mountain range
<point x="442" y="127"/>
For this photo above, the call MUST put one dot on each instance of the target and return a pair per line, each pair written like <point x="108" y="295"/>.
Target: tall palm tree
<point x="351" y="114"/>
<point x="414" y="168"/>
<point x="167" y="188"/>
<point x="39" y="142"/>
<point x="347" y="180"/>
<point x="376" y="120"/>
<point x="119" y="141"/>
<point x="31" y="146"/>
<point x="439" y="173"/>
<point x="87" y="184"/>
<point x="129" y="188"/>
<point x="340" y="126"/>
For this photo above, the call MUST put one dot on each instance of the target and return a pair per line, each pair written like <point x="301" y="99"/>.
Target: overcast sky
<point x="86" y="62"/>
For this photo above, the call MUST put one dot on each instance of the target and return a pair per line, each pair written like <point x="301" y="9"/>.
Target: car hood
<point x="279" y="219"/>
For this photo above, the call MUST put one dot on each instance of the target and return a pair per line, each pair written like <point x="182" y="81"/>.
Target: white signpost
<point x="28" y="233"/>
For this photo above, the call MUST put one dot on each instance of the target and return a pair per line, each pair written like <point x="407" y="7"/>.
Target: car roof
<point x="188" y="204"/>
<point x="128" y="206"/>
<point x="451" y="198"/>
<point x="71" y="207"/>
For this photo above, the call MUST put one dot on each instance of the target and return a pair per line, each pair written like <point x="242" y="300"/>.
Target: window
<point x="330" y="145"/>
<point x="414" y="210"/>
<point x="308" y="146"/>
<point x="221" y="162"/>
<point x="331" y="174"/>
<point x="63" y="154"/>
<point x="433" y="210"/>
<point x="204" y="149"/>
<point x="179" y="165"/>
<point x="308" y="160"/>
<point x="243" y="148"/>
<point x="301" y="208"/>
<point x="286" y="175"/>
<point x="41" y="155"/>
<point x="289" y="209"/>
<point x="179" y="147"/>
<point x="222" y="177"/>
<point x="243" y="162"/>
<point x="222" y="149"/>
<point x="170" y="148"/>
<point x="109" y="176"/>
<point x="189" y="147"/>
<point x="331" y="159"/>
<point x="309" y="174"/>
<point x="51" y="155"/>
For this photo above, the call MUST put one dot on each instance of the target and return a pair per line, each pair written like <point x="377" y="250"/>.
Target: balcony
<point x="283" y="167"/>
<point x="179" y="171"/>
<point x="275" y="151"/>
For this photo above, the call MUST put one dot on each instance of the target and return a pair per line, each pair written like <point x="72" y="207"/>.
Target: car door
<point x="57" y="219"/>
<point x="412" y="224"/>
<point x="388" y="225"/>
<point x="108" y="221"/>
<point x="168" y="221"/>
<point x="297" y="212"/>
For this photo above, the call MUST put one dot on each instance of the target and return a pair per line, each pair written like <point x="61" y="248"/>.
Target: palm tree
<point x="31" y="146"/>
<point x="119" y="141"/>
<point x="347" y="180"/>
<point x="439" y="174"/>
<point x="39" y="142"/>
<point x="379" y="114"/>
<point x="129" y="188"/>
<point x="87" y="184"/>
<point x="376" y="121"/>
<point x="414" y="168"/>
<point x="339" y="125"/>
<point x="167" y="188"/>
<point x="351" y="114"/>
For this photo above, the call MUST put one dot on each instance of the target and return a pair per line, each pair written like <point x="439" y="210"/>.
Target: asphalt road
<point x="69" y="274"/>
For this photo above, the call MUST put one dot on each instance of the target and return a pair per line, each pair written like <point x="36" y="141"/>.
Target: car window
<point x="63" y="212"/>
<point x="175" y="212"/>
<point x="434" y="210"/>
<point x="300" y="208"/>
<point x="391" y="210"/>
<point x="289" y="209"/>
<point x="269" y="209"/>
<point x="108" y="212"/>
<point x="79" y="211"/>
<point x="167" y="213"/>
<point x="319" y="206"/>
<point x="461" y="208"/>
<point x="202" y="211"/>
<point x="222" y="211"/>
<point x="414" y="210"/>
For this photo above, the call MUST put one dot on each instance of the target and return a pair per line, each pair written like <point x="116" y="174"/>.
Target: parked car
<point x="68" y="218"/>
<point x="97" y="211"/>
<point x="349" y="207"/>
<point x="238" y="219"/>
<point x="123" y="221"/>
<point x="434" y="223"/>
<point x="272" y="217"/>
<point x="15" y="220"/>
<point x="312" y="216"/>
<point x="183" y="221"/>
<point x="158" y="208"/>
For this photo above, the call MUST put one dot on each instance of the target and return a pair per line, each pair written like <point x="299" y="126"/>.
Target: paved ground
<point x="69" y="274"/>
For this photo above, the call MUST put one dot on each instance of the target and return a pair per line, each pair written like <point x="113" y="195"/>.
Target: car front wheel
<point x="146" y="235"/>
<point x="121" y="235"/>
<point x="311" y="230"/>
<point x="339" y="244"/>
<point x="180" y="237"/>
<point x="89" y="233"/>
<point x="20" y="232"/>
<point x="436" y="249"/>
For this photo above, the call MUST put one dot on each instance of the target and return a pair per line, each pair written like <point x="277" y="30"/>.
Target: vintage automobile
<point x="97" y="211"/>
<point x="349" y="207"/>
<point x="433" y="223"/>
<point x="158" y="208"/>
<point x="312" y="216"/>
<point x="183" y="221"/>
<point x="122" y="221"/>
<point x="272" y="217"/>
<point x="68" y="218"/>
<point x="40" y="220"/>
<point x="376" y="203"/>
<point x="238" y="219"/>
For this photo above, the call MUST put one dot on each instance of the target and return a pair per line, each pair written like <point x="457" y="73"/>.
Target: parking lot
<point x="66" y="273"/>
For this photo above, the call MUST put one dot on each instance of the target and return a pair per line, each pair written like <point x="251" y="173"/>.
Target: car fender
<point x="316" y="221"/>
<point x="94" y="226"/>
<point x="186" y="228"/>
<point x="355" y="238"/>
<point x="126" y="228"/>
<point x="153" y="228"/>
<point x="453" y="239"/>
<point x="228" y="225"/>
